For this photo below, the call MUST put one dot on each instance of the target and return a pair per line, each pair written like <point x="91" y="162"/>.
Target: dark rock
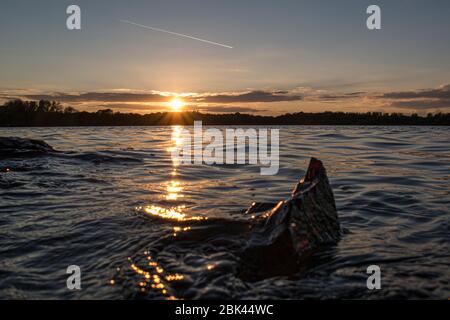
<point x="292" y="229"/>
<point x="13" y="147"/>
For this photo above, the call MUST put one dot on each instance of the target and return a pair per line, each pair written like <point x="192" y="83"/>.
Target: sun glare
<point x="176" y="104"/>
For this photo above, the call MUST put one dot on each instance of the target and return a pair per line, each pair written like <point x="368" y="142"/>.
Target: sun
<point x="176" y="104"/>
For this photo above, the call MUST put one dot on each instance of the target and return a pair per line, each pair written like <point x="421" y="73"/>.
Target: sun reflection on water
<point x="174" y="187"/>
<point x="174" y="190"/>
<point x="152" y="277"/>
<point x="174" y="213"/>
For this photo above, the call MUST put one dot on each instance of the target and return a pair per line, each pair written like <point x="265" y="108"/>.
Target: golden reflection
<point x="174" y="187"/>
<point x="177" y="140"/>
<point x="177" y="230"/>
<point x="174" y="213"/>
<point x="153" y="278"/>
<point x="174" y="190"/>
<point x="174" y="277"/>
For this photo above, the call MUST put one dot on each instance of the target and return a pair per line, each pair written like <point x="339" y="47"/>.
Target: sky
<point x="286" y="55"/>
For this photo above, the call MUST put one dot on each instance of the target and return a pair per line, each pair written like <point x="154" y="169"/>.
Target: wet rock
<point x="13" y="147"/>
<point x="292" y="229"/>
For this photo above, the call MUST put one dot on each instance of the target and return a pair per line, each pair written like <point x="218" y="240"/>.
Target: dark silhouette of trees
<point x="52" y="113"/>
<point x="70" y="110"/>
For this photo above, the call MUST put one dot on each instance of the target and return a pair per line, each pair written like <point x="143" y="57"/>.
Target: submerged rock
<point x="291" y="230"/>
<point x="11" y="147"/>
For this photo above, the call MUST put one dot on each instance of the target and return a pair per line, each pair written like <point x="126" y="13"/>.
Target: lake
<point x="140" y="227"/>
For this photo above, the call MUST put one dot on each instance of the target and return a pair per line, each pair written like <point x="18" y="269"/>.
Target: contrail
<point x="177" y="34"/>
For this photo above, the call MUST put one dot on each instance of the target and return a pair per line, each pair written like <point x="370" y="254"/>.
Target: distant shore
<point x="18" y="113"/>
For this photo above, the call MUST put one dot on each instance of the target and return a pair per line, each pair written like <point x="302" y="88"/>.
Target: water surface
<point x="139" y="226"/>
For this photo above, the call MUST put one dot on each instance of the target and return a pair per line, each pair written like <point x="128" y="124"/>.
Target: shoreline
<point x="20" y="113"/>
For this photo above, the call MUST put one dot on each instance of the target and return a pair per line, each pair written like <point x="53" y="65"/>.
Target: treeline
<point x="18" y="113"/>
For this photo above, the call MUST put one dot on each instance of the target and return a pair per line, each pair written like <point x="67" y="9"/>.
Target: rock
<point x="12" y="147"/>
<point x="292" y="229"/>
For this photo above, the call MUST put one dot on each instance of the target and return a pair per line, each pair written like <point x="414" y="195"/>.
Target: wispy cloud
<point x="295" y="99"/>
<point x="336" y="97"/>
<point x="252" y="96"/>
<point x="424" y="99"/>
<point x="242" y="97"/>
<point x="421" y="104"/>
<point x="229" y="109"/>
<point x="442" y="92"/>
<point x="131" y="107"/>
<point x="100" y="97"/>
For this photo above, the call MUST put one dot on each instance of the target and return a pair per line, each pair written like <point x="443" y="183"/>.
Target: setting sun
<point x="176" y="104"/>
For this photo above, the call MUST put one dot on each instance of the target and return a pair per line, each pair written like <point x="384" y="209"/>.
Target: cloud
<point x="229" y="109"/>
<point x="242" y="97"/>
<point x="247" y="101"/>
<point x="132" y="106"/>
<point x="422" y="104"/>
<point x="334" y="97"/>
<point x="252" y="96"/>
<point x="425" y="99"/>
<point x="6" y="97"/>
<point x="442" y="92"/>
<point x="100" y="97"/>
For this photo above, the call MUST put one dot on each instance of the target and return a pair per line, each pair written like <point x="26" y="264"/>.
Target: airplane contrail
<point x="176" y="34"/>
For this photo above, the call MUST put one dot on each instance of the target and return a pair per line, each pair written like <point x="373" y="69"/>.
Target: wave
<point x="19" y="148"/>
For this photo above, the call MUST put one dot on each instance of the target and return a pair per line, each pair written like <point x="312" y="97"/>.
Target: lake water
<point x="86" y="207"/>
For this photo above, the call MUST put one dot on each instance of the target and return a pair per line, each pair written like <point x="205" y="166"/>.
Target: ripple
<point x="79" y="207"/>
